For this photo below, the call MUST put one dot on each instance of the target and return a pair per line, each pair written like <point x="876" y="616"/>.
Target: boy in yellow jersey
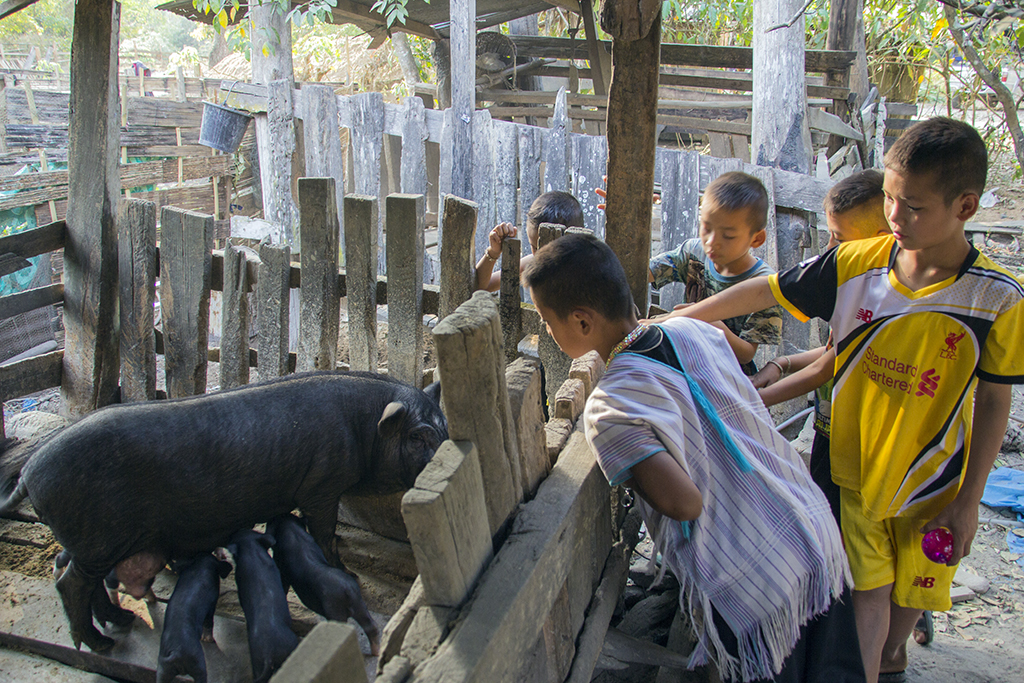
<point x="927" y="333"/>
<point x="854" y="211"/>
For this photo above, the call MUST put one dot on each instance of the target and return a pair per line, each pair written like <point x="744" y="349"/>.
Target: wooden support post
<point x="458" y="224"/>
<point x="781" y="137"/>
<point x="446" y="517"/>
<point x="632" y="108"/>
<point x="842" y="32"/>
<point x="273" y="296"/>
<point x="511" y="298"/>
<point x="319" y="305"/>
<point x="361" y="281"/>
<point x="90" y="253"/>
<point x="600" y="61"/>
<point x="526" y="399"/>
<point x="186" y="243"/>
<point x="471" y="364"/>
<point x="136" y="227"/>
<point x="405" y="287"/>
<point x="234" y="338"/>
<point x="323" y="144"/>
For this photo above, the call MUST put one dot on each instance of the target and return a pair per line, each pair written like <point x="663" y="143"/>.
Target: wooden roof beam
<point x="351" y="12"/>
<point x="9" y="7"/>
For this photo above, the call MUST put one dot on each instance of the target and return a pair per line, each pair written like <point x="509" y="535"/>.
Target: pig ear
<point x="433" y="392"/>
<point x="394" y="414"/>
<point x="267" y="541"/>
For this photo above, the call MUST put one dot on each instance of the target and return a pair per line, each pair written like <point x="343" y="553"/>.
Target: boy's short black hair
<point x="950" y="151"/>
<point x="855" y="190"/>
<point x="579" y="271"/>
<point x="555" y="207"/>
<point x="734" y="191"/>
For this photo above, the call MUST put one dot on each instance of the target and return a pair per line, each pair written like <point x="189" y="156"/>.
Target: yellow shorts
<point x="889" y="552"/>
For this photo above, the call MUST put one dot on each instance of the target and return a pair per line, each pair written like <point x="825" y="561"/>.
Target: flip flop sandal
<point x="893" y="677"/>
<point x="926" y="626"/>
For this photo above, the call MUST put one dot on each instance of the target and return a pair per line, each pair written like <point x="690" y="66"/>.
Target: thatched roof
<point x="425" y="19"/>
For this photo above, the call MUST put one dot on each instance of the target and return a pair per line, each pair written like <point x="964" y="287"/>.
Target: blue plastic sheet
<point x="1005" y="489"/>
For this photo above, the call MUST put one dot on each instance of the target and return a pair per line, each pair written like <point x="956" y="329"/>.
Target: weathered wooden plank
<point x="319" y="307"/>
<point x="275" y="132"/>
<point x="272" y="310"/>
<point x="526" y="398"/>
<point x="90" y="252"/>
<point x="367" y="140"/>
<point x="458" y="226"/>
<point x="405" y="281"/>
<point x="414" y="149"/>
<point x="680" y="209"/>
<point x="506" y="172"/>
<point x="327" y="654"/>
<point x="323" y="143"/>
<point x="446" y="516"/>
<point x="234" y="338"/>
<point x="556" y="147"/>
<point x="510" y="299"/>
<point x="136" y="227"/>
<point x="31" y="375"/>
<point x="531" y="153"/>
<point x="46" y="238"/>
<point x="462" y="31"/>
<point x="501" y="625"/>
<point x="30" y="299"/>
<point x="361" y="281"/>
<point x="678" y="54"/>
<point x="186" y="240"/>
<point x="471" y="365"/>
<point x="589" y="165"/>
<point x="483" y="177"/>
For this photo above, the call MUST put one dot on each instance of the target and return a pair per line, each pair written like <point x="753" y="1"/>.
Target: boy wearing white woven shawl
<point x="729" y="503"/>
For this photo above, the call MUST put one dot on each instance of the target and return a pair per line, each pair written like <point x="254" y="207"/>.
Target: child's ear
<point x="759" y="237"/>
<point x="966" y="206"/>
<point x="583" y="320"/>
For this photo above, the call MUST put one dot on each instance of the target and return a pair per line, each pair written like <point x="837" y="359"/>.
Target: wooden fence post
<point x="556" y="363"/>
<point x="361" y="281"/>
<point x="506" y="172"/>
<point x="589" y="154"/>
<point x="680" y="210"/>
<point x="530" y="154"/>
<point x="511" y="298"/>
<point x="367" y="146"/>
<point x="405" y="287"/>
<point x="319" y="304"/>
<point x="273" y="300"/>
<point x="458" y="280"/>
<point x="471" y="364"/>
<point x="556" y="146"/>
<point x="446" y="516"/>
<point x="234" y="337"/>
<point x="186" y="243"/>
<point x="136" y="227"/>
<point x="526" y="399"/>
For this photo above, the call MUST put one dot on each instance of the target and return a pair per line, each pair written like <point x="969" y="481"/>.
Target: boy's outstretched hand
<point x="499" y="234"/>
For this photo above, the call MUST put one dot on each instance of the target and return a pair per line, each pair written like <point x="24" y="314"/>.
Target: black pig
<point x="263" y="600"/>
<point x="330" y="592"/>
<point x="188" y="620"/>
<point x="177" y="478"/>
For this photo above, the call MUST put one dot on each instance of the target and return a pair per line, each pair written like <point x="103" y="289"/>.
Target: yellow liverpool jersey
<point x="906" y="367"/>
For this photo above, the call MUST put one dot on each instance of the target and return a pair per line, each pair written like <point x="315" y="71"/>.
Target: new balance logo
<point x="928" y="384"/>
<point x="924" y="581"/>
<point x="865" y="314"/>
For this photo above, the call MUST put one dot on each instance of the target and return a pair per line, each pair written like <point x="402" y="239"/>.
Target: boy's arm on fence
<point x="991" y="411"/>
<point x="741" y="348"/>
<point x="802" y="381"/>
<point x="663" y="483"/>
<point x="740" y="299"/>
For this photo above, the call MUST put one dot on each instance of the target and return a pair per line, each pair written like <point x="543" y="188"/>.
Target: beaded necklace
<point x="626" y="341"/>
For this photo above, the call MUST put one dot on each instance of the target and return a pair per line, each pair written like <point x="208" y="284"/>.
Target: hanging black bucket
<point x="223" y="127"/>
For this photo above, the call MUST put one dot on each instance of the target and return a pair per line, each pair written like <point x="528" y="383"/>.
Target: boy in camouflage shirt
<point x="733" y="215"/>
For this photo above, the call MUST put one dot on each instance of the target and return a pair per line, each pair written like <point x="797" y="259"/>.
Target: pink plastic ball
<point x="938" y="545"/>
